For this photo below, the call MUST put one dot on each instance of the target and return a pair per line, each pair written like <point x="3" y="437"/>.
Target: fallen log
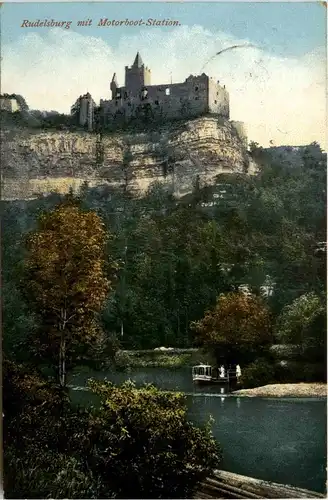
<point x="229" y="488"/>
<point x="223" y="484"/>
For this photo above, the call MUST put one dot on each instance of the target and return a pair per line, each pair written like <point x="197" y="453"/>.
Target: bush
<point x="144" y="435"/>
<point x="303" y="323"/>
<point x="48" y="474"/>
<point x="315" y="372"/>
<point x="293" y="372"/>
<point x="152" y="359"/>
<point x="102" y="354"/>
<point x="256" y="374"/>
<point x="24" y="390"/>
<point x="137" y="443"/>
<point x="123" y="361"/>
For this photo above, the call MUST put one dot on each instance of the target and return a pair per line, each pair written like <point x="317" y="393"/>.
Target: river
<point x="276" y="439"/>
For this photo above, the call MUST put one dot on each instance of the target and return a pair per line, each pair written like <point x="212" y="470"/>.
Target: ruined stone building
<point x="138" y="99"/>
<point x="9" y="103"/>
<point x="197" y="95"/>
<point x="83" y="111"/>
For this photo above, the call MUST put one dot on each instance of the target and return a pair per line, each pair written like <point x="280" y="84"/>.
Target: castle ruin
<point x="83" y="111"/>
<point x="196" y="96"/>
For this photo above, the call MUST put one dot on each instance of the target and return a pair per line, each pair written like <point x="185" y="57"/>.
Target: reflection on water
<point x="282" y="440"/>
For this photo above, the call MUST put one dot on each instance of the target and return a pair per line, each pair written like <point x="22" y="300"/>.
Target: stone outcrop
<point x="176" y="154"/>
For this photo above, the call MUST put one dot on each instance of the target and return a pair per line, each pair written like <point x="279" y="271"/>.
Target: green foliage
<point x="157" y="359"/>
<point x="122" y="361"/>
<point x="260" y="372"/>
<point x="48" y="474"/>
<point x="38" y="427"/>
<point x="238" y="326"/>
<point x="303" y="323"/>
<point x="23" y="389"/>
<point x="291" y="372"/>
<point x="140" y="434"/>
<point x="66" y="280"/>
<point x="156" y="447"/>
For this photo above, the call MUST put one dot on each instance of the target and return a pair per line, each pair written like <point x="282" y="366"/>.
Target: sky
<point x="277" y="85"/>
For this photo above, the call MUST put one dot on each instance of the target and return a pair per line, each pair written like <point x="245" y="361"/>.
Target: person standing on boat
<point x="238" y="371"/>
<point x="222" y="371"/>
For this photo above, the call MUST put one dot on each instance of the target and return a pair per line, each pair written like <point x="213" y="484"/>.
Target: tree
<point x="237" y="328"/>
<point x="66" y="281"/>
<point x="303" y="323"/>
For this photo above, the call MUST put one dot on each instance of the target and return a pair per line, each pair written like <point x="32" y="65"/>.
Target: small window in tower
<point x="116" y="103"/>
<point x="129" y="104"/>
<point x="167" y="91"/>
<point x="156" y="102"/>
<point x="144" y="94"/>
<point x="125" y="95"/>
<point x="215" y="102"/>
<point x="196" y="98"/>
<point x="196" y="88"/>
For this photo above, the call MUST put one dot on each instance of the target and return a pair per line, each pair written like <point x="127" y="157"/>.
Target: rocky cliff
<point x="177" y="154"/>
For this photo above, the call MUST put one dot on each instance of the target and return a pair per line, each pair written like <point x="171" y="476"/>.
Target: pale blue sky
<point x="289" y="29"/>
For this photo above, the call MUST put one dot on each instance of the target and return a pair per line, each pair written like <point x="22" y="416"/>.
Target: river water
<point x="275" y="439"/>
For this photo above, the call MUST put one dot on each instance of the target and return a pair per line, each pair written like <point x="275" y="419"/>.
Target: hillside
<point x="177" y="154"/>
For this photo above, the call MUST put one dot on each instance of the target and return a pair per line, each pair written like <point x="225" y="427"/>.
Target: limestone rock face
<point x="176" y="154"/>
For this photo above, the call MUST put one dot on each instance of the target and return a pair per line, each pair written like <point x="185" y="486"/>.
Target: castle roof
<point x="138" y="61"/>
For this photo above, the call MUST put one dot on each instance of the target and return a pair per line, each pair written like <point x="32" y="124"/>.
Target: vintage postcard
<point x="163" y="197"/>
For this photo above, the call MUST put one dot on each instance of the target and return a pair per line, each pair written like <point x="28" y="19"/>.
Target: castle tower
<point x="137" y="76"/>
<point x="114" y="86"/>
<point x="138" y="63"/>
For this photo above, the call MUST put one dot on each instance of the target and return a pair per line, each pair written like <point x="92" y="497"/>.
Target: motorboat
<point x="206" y="374"/>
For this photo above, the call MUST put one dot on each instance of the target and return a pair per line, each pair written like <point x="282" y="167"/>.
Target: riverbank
<point x="175" y="358"/>
<point x="285" y="390"/>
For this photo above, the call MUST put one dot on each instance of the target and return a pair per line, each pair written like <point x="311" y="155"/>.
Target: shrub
<point x="39" y="473"/>
<point x="137" y="443"/>
<point x="123" y="361"/>
<point x="144" y="435"/>
<point x="24" y="390"/>
<point x="298" y="371"/>
<point x="303" y="323"/>
<point x="315" y="372"/>
<point x="256" y="374"/>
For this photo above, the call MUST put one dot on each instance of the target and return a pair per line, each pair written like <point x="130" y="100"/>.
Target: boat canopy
<point x="203" y="370"/>
<point x="202" y="366"/>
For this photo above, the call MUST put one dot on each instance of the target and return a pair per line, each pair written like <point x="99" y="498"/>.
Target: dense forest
<point x="263" y="233"/>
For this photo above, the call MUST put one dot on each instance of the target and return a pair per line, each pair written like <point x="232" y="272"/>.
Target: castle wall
<point x="83" y="110"/>
<point x="84" y="105"/>
<point x="177" y="100"/>
<point x="240" y="128"/>
<point x="196" y="96"/>
<point x="218" y="99"/>
<point x="8" y="104"/>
